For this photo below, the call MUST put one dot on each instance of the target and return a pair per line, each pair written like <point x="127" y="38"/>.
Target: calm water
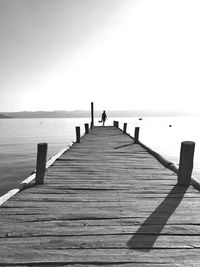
<point x="156" y="134"/>
<point x="18" y="145"/>
<point x="19" y="138"/>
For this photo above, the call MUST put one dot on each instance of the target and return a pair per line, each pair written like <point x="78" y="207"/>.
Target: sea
<point x="19" y="139"/>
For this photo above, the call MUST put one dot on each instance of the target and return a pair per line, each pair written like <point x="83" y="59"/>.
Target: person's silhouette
<point x="103" y="117"/>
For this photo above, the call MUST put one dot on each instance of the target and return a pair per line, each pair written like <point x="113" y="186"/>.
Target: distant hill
<point x="49" y="114"/>
<point x="86" y="114"/>
<point x="2" y="116"/>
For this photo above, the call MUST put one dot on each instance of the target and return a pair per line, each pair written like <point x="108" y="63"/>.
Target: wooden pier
<point x="106" y="201"/>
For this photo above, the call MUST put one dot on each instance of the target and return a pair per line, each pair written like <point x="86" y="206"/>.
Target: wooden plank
<point x="146" y="204"/>
<point x="97" y="256"/>
<point x="102" y="242"/>
<point x="93" y="228"/>
<point x="100" y="218"/>
<point x="101" y="197"/>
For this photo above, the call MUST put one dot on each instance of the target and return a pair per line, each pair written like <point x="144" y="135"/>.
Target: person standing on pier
<point x="103" y="117"/>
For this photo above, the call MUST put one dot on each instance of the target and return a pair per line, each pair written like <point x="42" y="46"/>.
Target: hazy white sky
<point x="121" y="54"/>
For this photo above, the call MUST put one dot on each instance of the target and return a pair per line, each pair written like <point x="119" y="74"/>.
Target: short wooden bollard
<point x="116" y="124"/>
<point x="78" y="134"/>
<point x="125" y="127"/>
<point x="41" y="162"/>
<point x="136" y="136"/>
<point x="86" y="128"/>
<point x="186" y="163"/>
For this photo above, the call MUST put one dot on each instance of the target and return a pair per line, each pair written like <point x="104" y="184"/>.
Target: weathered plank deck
<point x="107" y="202"/>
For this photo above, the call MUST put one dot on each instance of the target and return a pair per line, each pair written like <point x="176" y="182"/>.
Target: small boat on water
<point x="140" y="119"/>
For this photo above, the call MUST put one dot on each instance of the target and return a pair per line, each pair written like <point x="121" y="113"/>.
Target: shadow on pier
<point x="145" y="238"/>
<point x="126" y="145"/>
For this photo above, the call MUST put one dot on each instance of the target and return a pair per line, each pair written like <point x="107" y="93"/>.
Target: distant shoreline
<point x="86" y="114"/>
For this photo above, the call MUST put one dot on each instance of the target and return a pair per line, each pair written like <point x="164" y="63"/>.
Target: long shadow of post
<point x="150" y="230"/>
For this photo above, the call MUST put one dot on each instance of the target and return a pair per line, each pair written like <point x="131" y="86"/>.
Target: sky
<point x="120" y="54"/>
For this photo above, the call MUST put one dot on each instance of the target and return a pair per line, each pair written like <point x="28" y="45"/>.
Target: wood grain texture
<point x="106" y="201"/>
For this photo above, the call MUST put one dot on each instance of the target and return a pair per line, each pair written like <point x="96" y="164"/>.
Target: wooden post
<point x="92" y="115"/>
<point x="41" y="162"/>
<point x="136" y="137"/>
<point x="86" y="128"/>
<point x="186" y="163"/>
<point x="78" y="134"/>
<point x="125" y="127"/>
<point x="116" y="124"/>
